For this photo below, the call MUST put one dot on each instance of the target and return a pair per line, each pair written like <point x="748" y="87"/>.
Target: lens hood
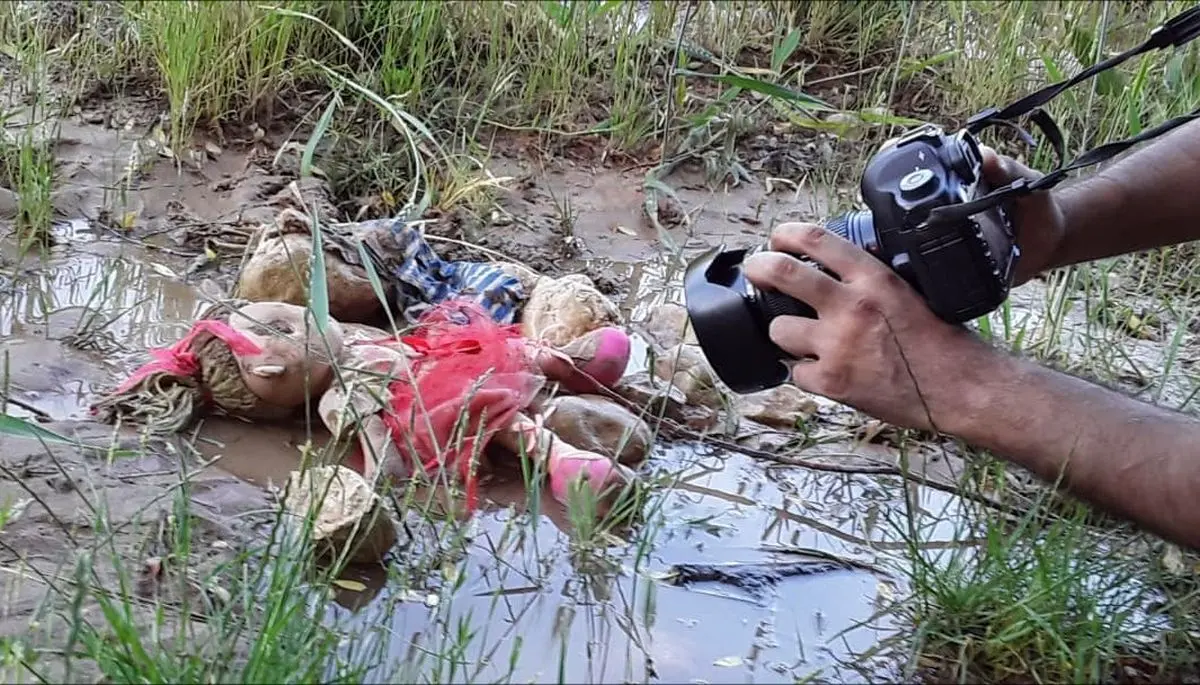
<point x="722" y="306"/>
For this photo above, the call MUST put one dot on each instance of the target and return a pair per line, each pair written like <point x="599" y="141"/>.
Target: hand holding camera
<point x="1038" y="219"/>
<point x="937" y="241"/>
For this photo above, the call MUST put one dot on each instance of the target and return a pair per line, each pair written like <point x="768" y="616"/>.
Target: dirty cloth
<point x="471" y="380"/>
<point x="420" y="278"/>
<point x="180" y="361"/>
<point x="435" y="281"/>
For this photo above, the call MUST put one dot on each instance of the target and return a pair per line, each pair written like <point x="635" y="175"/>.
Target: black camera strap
<point x="1176" y="32"/>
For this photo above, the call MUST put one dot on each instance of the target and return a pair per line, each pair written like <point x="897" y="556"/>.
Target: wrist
<point x="983" y="381"/>
<point x="1078" y="210"/>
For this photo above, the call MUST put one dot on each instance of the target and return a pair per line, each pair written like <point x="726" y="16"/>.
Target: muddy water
<point x="522" y="591"/>
<point x="83" y="317"/>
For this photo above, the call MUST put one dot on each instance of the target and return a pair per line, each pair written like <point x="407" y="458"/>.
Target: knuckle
<point x="783" y="269"/>
<point x="796" y="236"/>
<point x="864" y="305"/>
<point x="811" y="235"/>
<point x="834" y="380"/>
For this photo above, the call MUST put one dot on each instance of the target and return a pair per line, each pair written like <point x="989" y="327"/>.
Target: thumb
<point x="1001" y="170"/>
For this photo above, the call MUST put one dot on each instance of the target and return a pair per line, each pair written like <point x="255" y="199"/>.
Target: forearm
<point x="1133" y="459"/>
<point x="1146" y="200"/>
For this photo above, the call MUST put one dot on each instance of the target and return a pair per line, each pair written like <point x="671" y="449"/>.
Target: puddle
<point x="522" y="589"/>
<point x="533" y="605"/>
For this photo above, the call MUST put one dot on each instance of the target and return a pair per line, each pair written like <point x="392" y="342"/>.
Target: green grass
<point x="398" y="103"/>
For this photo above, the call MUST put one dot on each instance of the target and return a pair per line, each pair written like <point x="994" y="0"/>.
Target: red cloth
<point x="471" y="379"/>
<point x="179" y="359"/>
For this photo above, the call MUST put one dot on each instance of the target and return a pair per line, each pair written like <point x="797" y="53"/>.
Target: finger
<point x="790" y="276"/>
<point x="832" y="251"/>
<point x="795" y="335"/>
<point x="1001" y="170"/>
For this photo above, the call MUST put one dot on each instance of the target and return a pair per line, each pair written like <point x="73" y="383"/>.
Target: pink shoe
<point x="585" y="365"/>
<point x="568" y="465"/>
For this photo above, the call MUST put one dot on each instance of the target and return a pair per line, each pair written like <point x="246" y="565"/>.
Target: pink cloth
<point x="179" y="359"/>
<point x="469" y="382"/>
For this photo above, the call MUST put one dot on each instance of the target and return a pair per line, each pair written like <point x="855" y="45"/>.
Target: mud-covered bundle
<point x="253" y="360"/>
<point x="431" y="401"/>
<point x="483" y="348"/>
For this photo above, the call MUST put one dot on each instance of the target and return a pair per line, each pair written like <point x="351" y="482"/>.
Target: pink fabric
<point x="612" y="357"/>
<point x="475" y="374"/>
<point x="179" y="359"/>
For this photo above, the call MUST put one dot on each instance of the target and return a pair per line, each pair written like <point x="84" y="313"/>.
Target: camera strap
<point x="1176" y="32"/>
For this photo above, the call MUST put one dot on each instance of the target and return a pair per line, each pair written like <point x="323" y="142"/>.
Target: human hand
<point x="877" y="346"/>
<point x="1037" y="218"/>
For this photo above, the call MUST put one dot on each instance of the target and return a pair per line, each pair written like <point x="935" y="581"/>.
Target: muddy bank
<point x="130" y="269"/>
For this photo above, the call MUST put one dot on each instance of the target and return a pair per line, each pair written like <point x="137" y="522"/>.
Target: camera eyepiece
<point x="732" y="317"/>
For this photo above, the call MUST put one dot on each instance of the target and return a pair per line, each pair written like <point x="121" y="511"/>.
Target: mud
<point x="129" y="270"/>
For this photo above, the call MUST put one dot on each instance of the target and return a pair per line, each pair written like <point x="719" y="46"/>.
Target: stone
<point x="782" y="406"/>
<point x="685" y="367"/>
<point x="348" y="518"/>
<point x="668" y="326"/>
<point x="598" y="424"/>
<point x="663" y="399"/>
<point x="277" y="271"/>
<point x="560" y="310"/>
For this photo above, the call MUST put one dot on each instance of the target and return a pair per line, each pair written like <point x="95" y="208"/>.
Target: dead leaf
<point x="885" y="592"/>
<point x="163" y="271"/>
<point x="1172" y="561"/>
<point x="351" y="585"/>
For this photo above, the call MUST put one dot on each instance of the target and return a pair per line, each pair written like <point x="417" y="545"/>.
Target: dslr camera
<point x="930" y="217"/>
<point x="961" y="266"/>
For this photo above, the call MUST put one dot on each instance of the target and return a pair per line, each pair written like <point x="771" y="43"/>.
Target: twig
<point x="8" y="399"/>
<point x="754" y="578"/>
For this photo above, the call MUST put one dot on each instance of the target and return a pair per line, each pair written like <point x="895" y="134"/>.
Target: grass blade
<point x="17" y="427"/>
<point x="318" y="282"/>
<point x="318" y="133"/>
<point x="768" y="89"/>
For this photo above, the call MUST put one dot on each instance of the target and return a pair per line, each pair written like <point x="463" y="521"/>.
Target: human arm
<point x="1143" y="201"/>
<point x="880" y="349"/>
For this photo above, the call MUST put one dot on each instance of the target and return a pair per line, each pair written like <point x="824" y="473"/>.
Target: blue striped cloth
<point x="429" y="280"/>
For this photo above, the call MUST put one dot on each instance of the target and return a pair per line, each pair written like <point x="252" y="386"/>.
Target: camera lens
<point x="857" y="227"/>
<point x="732" y="318"/>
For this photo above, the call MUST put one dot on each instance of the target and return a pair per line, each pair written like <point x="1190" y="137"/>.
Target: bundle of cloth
<point x="484" y="348"/>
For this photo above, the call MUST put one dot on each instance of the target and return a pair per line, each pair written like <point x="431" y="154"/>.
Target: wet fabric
<point x="471" y="380"/>
<point x="179" y="360"/>
<point x="426" y="280"/>
<point x="418" y="278"/>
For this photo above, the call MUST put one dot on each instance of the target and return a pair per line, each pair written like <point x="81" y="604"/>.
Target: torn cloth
<point x="419" y="279"/>
<point x="471" y="380"/>
<point x="434" y="281"/>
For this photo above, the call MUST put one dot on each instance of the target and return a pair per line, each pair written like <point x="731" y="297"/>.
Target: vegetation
<point x="398" y="105"/>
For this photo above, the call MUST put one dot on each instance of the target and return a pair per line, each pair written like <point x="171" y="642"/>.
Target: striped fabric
<point x="429" y="280"/>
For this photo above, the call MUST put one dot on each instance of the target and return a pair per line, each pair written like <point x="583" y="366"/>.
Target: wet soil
<point x="129" y="270"/>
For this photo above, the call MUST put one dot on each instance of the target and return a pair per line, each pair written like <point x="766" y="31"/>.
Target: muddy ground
<point x="143" y="240"/>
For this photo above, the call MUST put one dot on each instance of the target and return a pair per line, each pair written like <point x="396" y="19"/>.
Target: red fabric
<point x="180" y="360"/>
<point x="477" y="370"/>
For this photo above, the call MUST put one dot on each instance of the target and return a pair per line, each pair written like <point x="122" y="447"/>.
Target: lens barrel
<point x="732" y="318"/>
<point x="857" y="227"/>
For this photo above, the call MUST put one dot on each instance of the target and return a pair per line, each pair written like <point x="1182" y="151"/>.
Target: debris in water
<point x="348" y="518"/>
<point x="755" y="578"/>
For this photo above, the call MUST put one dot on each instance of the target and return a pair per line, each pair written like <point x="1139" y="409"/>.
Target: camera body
<point x="963" y="268"/>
